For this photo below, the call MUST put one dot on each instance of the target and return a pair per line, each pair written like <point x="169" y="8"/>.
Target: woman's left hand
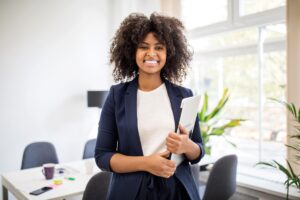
<point x="178" y="143"/>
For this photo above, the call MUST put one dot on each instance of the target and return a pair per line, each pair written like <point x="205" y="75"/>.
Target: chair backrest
<point x="89" y="149"/>
<point x="97" y="187"/>
<point x="38" y="153"/>
<point x="221" y="183"/>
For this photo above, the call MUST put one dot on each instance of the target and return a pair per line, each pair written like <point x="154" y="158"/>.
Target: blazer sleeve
<point x="107" y="134"/>
<point x="196" y="137"/>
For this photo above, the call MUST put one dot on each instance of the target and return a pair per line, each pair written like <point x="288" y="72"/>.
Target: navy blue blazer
<point x="118" y="133"/>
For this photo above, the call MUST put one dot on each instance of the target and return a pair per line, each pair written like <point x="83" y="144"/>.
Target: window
<point x="248" y="7"/>
<point x="199" y="13"/>
<point x="248" y="59"/>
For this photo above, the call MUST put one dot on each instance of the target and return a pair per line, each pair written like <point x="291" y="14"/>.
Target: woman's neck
<point x="149" y="83"/>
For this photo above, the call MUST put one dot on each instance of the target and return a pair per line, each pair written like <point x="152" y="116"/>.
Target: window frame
<point x="236" y="21"/>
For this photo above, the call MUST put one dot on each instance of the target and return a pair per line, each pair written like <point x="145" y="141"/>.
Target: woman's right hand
<point x="159" y="164"/>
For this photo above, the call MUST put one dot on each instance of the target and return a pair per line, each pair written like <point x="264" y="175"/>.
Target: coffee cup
<point x="48" y="170"/>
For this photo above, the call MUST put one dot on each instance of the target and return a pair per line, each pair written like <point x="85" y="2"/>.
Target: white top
<point x="155" y="119"/>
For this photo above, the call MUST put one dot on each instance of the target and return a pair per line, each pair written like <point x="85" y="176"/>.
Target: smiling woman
<point x="140" y="117"/>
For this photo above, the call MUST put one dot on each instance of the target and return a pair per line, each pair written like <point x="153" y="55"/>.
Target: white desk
<point x="21" y="182"/>
<point x="207" y="160"/>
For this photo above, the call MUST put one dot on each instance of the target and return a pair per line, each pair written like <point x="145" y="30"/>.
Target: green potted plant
<point x="210" y="121"/>
<point x="292" y="177"/>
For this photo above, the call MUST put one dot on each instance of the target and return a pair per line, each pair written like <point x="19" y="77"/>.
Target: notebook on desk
<point x="189" y="109"/>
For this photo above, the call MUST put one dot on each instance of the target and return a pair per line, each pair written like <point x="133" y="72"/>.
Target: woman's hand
<point x="182" y="144"/>
<point x="159" y="165"/>
<point x="178" y="143"/>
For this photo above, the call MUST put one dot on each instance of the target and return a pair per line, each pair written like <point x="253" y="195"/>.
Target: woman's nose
<point x="151" y="53"/>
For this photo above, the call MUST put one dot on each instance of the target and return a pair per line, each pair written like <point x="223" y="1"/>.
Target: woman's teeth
<point x="151" y="61"/>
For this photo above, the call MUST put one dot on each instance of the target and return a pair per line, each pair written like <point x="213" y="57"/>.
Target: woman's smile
<point x="151" y="62"/>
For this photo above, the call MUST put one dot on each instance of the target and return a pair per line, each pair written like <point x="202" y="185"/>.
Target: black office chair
<point x="38" y="153"/>
<point x="97" y="187"/>
<point x="221" y="183"/>
<point x="89" y="149"/>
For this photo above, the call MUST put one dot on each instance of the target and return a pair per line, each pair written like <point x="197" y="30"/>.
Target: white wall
<point x="293" y="71"/>
<point x="51" y="53"/>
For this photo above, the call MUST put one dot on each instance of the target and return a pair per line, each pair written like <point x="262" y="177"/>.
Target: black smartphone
<point x="40" y="191"/>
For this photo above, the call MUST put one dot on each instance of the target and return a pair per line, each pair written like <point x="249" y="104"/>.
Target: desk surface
<point x="207" y="160"/>
<point x="20" y="183"/>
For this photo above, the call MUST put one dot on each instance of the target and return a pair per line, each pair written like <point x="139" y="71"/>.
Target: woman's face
<point x="151" y="56"/>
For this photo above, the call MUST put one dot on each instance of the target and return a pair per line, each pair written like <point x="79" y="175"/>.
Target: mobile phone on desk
<point x="41" y="190"/>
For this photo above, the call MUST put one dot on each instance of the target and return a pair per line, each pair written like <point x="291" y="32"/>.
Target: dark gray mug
<point x="48" y="170"/>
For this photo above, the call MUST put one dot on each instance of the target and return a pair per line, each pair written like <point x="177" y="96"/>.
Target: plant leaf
<point x="291" y="170"/>
<point x="290" y="106"/>
<point x="298" y="157"/>
<point x="266" y="163"/>
<point x="204" y="108"/>
<point x="283" y="169"/>
<point x="219" y="106"/>
<point x="296" y="136"/>
<point x="293" y="147"/>
<point x="292" y="178"/>
<point x="276" y="165"/>
<point x="217" y="131"/>
<point x="294" y="110"/>
<point x="229" y="141"/>
<point x="232" y="123"/>
<point x="295" y="178"/>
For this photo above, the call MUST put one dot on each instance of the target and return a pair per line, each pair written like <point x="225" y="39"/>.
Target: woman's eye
<point x="142" y="47"/>
<point x="159" y="48"/>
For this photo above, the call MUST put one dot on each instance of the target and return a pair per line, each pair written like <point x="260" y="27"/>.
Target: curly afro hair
<point x="133" y="30"/>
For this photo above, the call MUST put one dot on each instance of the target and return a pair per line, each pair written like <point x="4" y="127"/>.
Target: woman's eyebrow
<point x="158" y="43"/>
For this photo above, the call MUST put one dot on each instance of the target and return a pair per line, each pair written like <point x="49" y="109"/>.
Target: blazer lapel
<point x="131" y="117"/>
<point x="175" y="99"/>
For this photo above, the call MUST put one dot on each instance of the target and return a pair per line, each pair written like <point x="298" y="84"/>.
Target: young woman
<point x="138" y="121"/>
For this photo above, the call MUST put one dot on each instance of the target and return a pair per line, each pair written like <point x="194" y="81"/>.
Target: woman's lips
<point x="152" y="62"/>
